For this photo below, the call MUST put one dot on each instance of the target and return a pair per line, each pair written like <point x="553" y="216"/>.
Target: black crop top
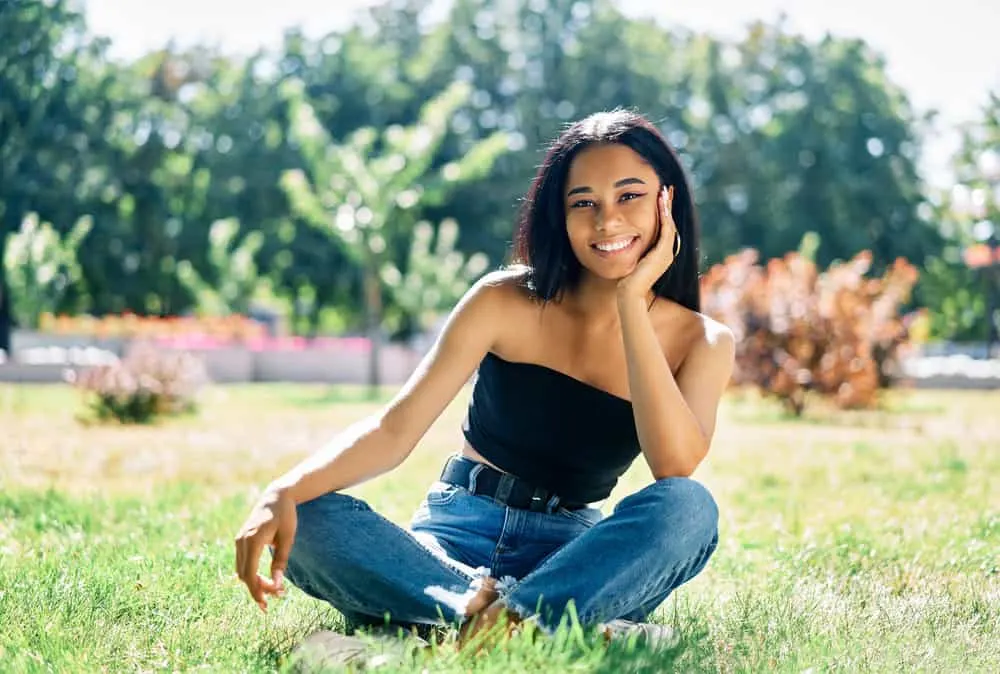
<point x="550" y="429"/>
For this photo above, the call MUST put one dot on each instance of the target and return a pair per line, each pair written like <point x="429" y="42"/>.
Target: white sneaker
<point x="652" y="635"/>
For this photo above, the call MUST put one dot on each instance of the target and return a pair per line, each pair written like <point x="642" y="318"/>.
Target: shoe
<point x="323" y="650"/>
<point x="648" y="634"/>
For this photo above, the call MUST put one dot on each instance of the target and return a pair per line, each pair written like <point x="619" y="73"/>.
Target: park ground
<point x="850" y="541"/>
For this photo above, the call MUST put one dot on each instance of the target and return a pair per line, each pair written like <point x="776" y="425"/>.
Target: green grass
<point x="851" y="542"/>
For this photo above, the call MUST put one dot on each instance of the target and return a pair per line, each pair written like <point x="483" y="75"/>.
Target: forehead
<point x="601" y="165"/>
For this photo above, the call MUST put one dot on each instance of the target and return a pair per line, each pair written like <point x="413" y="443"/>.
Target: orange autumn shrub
<point x="837" y="332"/>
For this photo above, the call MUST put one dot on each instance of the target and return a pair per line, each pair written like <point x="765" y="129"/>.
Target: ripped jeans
<point x="620" y="566"/>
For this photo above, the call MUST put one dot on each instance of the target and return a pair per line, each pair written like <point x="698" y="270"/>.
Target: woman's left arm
<point x="674" y="416"/>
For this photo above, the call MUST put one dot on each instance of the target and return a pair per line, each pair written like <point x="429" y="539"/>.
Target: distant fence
<point x="40" y="358"/>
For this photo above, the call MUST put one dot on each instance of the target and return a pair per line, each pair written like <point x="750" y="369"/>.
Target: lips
<point x="615" y="246"/>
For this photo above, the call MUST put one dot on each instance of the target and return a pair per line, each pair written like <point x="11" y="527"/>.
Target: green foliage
<point x="435" y="278"/>
<point x="957" y="295"/>
<point x="362" y="193"/>
<point x="329" y="151"/>
<point x="42" y="267"/>
<point x="956" y="298"/>
<point x="237" y="280"/>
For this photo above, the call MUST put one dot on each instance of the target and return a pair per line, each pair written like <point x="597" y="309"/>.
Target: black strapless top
<point x="550" y="429"/>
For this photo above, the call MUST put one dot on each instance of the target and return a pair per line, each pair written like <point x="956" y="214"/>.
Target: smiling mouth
<point x="614" y="247"/>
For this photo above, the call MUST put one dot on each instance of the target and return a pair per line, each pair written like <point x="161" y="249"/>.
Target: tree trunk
<point x="6" y="324"/>
<point x="992" y="274"/>
<point x="373" y="320"/>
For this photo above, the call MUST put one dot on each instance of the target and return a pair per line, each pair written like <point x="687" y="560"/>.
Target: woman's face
<point x="611" y="209"/>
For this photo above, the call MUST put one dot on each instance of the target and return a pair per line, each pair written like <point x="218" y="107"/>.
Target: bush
<point x="145" y="384"/>
<point x="837" y="333"/>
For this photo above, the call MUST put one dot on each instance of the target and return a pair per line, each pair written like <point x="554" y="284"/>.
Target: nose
<point x="609" y="219"/>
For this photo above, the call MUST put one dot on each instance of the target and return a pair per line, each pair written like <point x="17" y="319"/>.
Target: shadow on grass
<point x="274" y="650"/>
<point x="570" y="648"/>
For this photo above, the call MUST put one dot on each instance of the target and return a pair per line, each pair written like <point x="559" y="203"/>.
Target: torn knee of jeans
<point x="504" y="585"/>
<point x="480" y="577"/>
<point x="481" y="587"/>
<point x="473" y="600"/>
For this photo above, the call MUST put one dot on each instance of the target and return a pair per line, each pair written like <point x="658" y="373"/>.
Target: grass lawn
<point x="849" y="541"/>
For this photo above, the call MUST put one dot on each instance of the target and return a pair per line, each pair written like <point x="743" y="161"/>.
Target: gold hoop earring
<point x="677" y="243"/>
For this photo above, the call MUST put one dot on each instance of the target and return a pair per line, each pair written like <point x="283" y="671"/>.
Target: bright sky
<point x="944" y="54"/>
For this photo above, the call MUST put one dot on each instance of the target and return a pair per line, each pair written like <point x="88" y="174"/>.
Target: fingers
<point x="668" y="228"/>
<point x="268" y="586"/>
<point x="279" y="559"/>
<point x="253" y="578"/>
<point x="247" y="559"/>
<point x="668" y="206"/>
<point x="239" y="555"/>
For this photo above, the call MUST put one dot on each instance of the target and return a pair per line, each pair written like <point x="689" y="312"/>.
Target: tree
<point x="436" y="276"/>
<point x="154" y="202"/>
<point x="45" y="134"/>
<point x="965" y="302"/>
<point x="233" y="265"/>
<point x="361" y="193"/>
<point x="41" y="266"/>
<point x="795" y="136"/>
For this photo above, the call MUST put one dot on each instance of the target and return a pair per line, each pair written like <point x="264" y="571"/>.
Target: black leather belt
<point x="503" y="488"/>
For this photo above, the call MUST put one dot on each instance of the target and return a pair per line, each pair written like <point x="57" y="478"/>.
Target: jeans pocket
<point x="441" y="493"/>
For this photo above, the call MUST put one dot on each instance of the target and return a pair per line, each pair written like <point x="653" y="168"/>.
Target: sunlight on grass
<point x="861" y="541"/>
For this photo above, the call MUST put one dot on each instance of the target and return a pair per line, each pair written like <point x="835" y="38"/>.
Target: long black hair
<point x="541" y="242"/>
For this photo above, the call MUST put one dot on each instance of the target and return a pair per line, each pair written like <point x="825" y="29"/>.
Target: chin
<point x="607" y="272"/>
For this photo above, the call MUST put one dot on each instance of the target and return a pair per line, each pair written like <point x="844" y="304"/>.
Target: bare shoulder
<point x="508" y="279"/>
<point x="696" y="336"/>
<point x="505" y="289"/>
<point x="714" y="348"/>
<point x="715" y="334"/>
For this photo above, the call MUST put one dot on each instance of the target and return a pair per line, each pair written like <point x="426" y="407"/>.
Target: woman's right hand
<point x="271" y="522"/>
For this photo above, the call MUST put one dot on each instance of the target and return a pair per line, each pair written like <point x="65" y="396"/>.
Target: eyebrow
<point x="620" y="183"/>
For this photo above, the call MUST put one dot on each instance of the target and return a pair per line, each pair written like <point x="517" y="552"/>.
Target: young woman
<point x="589" y="352"/>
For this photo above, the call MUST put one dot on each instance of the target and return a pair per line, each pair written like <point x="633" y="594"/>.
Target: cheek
<point x="643" y="214"/>
<point x="578" y="225"/>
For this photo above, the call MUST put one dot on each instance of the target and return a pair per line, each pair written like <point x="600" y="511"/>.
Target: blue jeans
<point x="620" y="566"/>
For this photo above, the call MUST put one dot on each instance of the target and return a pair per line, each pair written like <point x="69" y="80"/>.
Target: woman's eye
<point x="629" y="196"/>
<point x="582" y="203"/>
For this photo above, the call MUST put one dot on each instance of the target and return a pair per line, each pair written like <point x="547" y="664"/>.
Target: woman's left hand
<point x="658" y="259"/>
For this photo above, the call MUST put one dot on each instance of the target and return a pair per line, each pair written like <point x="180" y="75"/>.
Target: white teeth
<point x="613" y="246"/>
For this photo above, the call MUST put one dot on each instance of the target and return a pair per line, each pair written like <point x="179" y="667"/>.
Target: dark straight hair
<point x="541" y="242"/>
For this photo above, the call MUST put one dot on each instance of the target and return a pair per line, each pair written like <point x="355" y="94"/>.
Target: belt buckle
<point x="542" y="502"/>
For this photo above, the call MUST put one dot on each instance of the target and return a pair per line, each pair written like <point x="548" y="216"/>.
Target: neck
<point x="596" y="300"/>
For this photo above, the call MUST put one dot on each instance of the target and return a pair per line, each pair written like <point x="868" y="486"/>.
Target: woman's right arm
<point x="379" y="443"/>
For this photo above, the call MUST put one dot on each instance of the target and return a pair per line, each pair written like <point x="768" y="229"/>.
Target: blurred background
<point x="300" y="190"/>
